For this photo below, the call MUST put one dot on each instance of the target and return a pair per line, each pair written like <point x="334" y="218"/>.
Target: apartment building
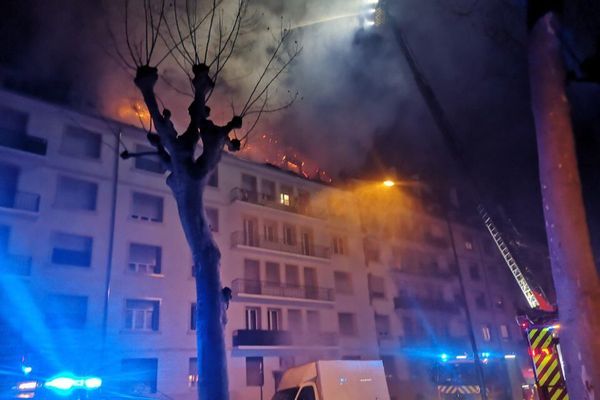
<point x="97" y="276"/>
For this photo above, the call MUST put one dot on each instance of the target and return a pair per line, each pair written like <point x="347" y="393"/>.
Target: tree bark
<point x="574" y="273"/>
<point x="210" y="313"/>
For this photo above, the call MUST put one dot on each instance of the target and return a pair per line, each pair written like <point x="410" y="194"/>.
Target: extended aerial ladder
<point x="542" y="336"/>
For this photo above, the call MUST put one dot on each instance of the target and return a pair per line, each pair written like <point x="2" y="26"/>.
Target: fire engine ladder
<point x="506" y="254"/>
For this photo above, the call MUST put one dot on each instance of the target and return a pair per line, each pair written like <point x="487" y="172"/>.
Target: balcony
<point x="441" y="305"/>
<point x="20" y="141"/>
<point x="15" y="265"/>
<point x="293" y="205"/>
<point x="21" y="201"/>
<point x="262" y="288"/>
<point x="239" y="238"/>
<point x="262" y="338"/>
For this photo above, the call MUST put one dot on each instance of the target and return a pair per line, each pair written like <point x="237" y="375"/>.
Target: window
<point x="295" y="321"/>
<point x="80" y="142"/>
<point x="268" y="190"/>
<point x="376" y="287"/>
<point x="254" y="371"/>
<point x="382" y="326"/>
<point x="486" y="333"/>
<point x="68" y="249"/>
<point x="193" y="372"/>
<point x="150" y="162"/>
<point x="468" y="242"/>
<point x="307" y="393"/>
<point x="64" y="311"/>
<point x="193" y="316"/>
<point x="372" y="252"/>
<point x="138" y="375"/>
<point x="273" y="277"/>
<point x="141" y="315"/>
<point x="76" y="194"/>
<point x="214" y="178"/>
<point x="270" y="231"/>
<point x="147" y="207"/>
<point x="292" y="275"/>
<point x="347" y="323"/>
<point x="289" y="235"/>
<point x="343" y="282"/>
<point x="274" y="319"/>
<point x="145" y="259"/>
<point x="339" y="246"/>
<point x="480" y="301"/>
<point x="285" y="196"/>
<point x="504" y="332"/>
<point x="252" y="277"/>
<point x="212" y="214"/>
<point x="306" y="242"/>
<point x="253" y="318"/>
<point x="474" y="272"/>
<point x="313" y="320"/>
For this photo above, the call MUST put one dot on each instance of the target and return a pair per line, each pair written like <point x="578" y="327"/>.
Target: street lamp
<point x="389" y="183"/>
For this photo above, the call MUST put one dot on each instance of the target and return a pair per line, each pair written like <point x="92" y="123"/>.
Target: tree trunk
<point x="210" y="313"/>
<point x="574" y="273"/>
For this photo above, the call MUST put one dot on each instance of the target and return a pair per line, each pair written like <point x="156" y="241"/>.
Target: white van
<point x="334" y="380"/>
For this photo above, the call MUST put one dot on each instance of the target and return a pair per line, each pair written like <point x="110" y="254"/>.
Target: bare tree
<point x="201" y="43"/>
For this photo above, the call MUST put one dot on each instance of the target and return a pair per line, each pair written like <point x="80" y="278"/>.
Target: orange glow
<point x="388" y="183"/>
<point x="268" y="149"/>
<point x="133" y="111"/>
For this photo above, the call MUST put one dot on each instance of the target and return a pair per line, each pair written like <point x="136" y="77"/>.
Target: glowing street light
<point x="389" y="183"/>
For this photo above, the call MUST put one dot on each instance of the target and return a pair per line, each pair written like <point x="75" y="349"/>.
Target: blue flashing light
<point x="63" y="383"/>
<point x="26" y="369"/>
<point x="485" y="355"/>
<point x="92" y="382"/>
<point x="510" y="356"/>
<point x="444" y="356"/>
<point x="461" y="357"/>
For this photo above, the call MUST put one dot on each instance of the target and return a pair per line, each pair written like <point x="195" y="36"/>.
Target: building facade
<point x="97" y="275"/>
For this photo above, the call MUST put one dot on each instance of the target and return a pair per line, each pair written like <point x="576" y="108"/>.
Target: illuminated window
<point x="284" y="199"/>
<point x="141" y="315"/>
<point x="285" y="196"/>
<point x="193" y="372"/>
<point x="468" y="245"/>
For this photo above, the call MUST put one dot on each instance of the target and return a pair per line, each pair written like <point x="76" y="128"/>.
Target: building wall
<point x="334" y="213"/>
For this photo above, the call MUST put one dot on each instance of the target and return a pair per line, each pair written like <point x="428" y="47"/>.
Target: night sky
<point x="360" y="113"/>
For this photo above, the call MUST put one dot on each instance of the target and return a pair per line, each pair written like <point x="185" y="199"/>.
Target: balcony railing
<point x="20" y="141"/>
<point x="21" y="201"/>
<point x="292" y="204"/>
<point x="240" y="238"/>
<point x="406" y="302"/>
<point x="259" y="337"/>
<point x="245" y="286"/>
<point x="15" y="265"/>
